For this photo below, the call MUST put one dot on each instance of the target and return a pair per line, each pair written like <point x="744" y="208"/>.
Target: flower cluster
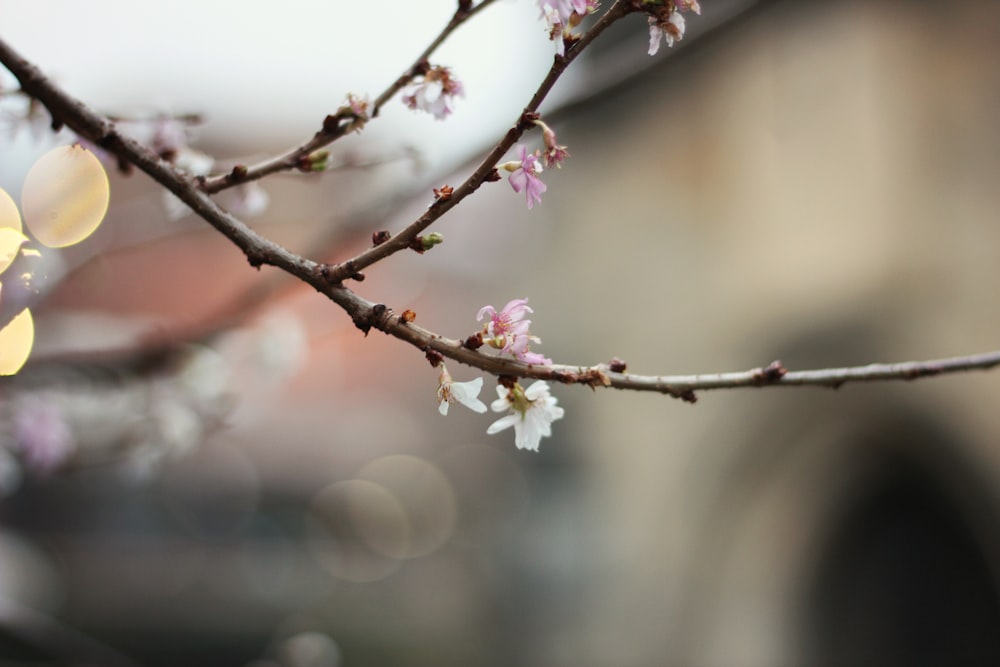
<point x="564" y="15"/>
<point x="434" y="93"/>
<point x="507" y="331"/>
<point x="530" y="411"/>
<point x="666" y="23"/>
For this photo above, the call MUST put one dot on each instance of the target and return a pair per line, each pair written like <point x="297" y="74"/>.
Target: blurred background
<point x="205" y="464"/>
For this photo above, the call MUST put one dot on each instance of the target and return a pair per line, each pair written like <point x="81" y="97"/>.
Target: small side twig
<point x="340" y="123"/>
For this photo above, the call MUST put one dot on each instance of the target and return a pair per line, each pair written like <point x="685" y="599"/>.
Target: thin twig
<point x="341" y="122"/>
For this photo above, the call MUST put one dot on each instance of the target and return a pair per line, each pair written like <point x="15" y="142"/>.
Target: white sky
<point x="266" y="73"/>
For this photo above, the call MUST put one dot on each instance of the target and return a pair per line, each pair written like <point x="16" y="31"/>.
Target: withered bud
<point x="331" y="124"/>
<point x="358" y="276"/>
<point x="616" y="365"/>
<point x="770" y="373"/>
<point x="408" y="316"/>
<point x="434" y="357"/>
<point x="421" y="68"/>
<point x="238" y="173"/>
<point x="125" y="167"/>
<point x="492" y="177"/>
<point x="507" y="381"/>
<point x="464" y="5"/>
<point x="474" y="342"/>
<point x="530" y="117"/>
<point x="380" y="237"/>
<point x="443" y="193"/>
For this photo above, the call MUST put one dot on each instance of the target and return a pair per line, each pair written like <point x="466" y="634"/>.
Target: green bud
<point x="428" y="241"/>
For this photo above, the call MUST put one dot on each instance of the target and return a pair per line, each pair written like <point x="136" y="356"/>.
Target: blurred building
<point x="810" y="182"/>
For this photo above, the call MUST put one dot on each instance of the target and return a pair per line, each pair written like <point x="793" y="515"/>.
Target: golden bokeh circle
<point x="16" y="340"/>
<point x="65" y="196"/>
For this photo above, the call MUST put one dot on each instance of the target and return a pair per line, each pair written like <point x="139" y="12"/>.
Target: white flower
<point x="532" y="412"/>
<point x="466" y="393"/>
<point x="435" y="93"/>
<point x="249" y="200"/>
<point x="670" y="30"/>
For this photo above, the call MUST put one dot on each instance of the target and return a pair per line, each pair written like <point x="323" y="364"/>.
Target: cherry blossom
<point x="434" y="93"/>
<point x="466" y="393"/>
<point x="563" y="15"/>
<point x="554" y="153"/>
<point x="532" y="412"/>
<point x="666" y="23"/>
<point x="524" y="175"/>
<point x="507" y="331"/>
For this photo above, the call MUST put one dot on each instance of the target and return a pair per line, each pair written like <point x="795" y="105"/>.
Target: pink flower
<point x="434" y="93"/>
<point x="508" y="322"/>
<point x="42" y="436"/>
<point x="507" y="331"/>
<point x="524" y="176"/>
<point x="358" y="106"/>
<point x="562" y="15"/>
<point x="554" y="153"/>
<point x="565" y="10"/>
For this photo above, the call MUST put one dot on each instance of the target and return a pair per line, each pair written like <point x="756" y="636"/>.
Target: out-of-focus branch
<point x="342" y="121"/>
<point x="56" y="640"/>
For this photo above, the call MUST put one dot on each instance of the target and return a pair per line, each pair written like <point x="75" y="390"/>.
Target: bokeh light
<point x="16" y="340"/>
<point x="11" y="236"/>
<point x="65" y="196"/>
<point x="425" y="496"/>
<point x="357" y="529"/>
<point x="10" y="242"/>
<point x="9" y="217"/>
<point x="309" y="649"/>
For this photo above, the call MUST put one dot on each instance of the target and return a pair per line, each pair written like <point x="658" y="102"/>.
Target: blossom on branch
<point x="434" y="93"/>
<point x="554" y="153"/>
<point x="524" y="175"/>
<point x="466" y="393"/>
<point x="666" y="23"/>
<point x="507" y="331"/>
<point x="563" y="15"/>
<point x="532" y="412"/>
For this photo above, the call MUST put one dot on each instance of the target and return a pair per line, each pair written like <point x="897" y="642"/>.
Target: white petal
<point x="467" y="393"/>
<point x="526" y="436"/>
<point x="432" y="92"/>
<point x="504" y="422"/>
<point x="443" y="407"/>
<point x="501" y="404"/>
<point x="538" y="389"/>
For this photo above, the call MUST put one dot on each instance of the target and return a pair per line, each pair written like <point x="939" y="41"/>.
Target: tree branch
<point x="367" y="315"/>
